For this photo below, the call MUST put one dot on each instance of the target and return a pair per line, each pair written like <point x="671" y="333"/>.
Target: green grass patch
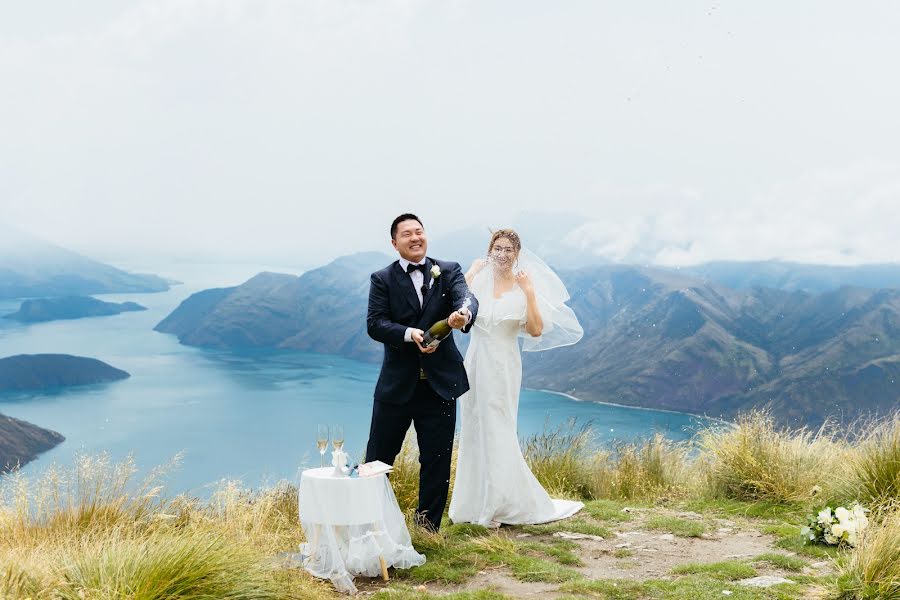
<point x="789" y="538"/>
<point x="677" y="526"/>
<point x="623" y="553"/>
<point x="730" y="570"/>
<point x="530" y="561"/>
<point x="408" y="593"/>
<point x="531" y="568"/>
<point x="782" y="561"/>
<point x="608" y="510"/>
<point x="450" y="565"/>
<point x="465" y="530"/>
<point x="562" y="551"/>
<point x="452" y="558"/>
<point x="459" y="556"/>
<point x="726" y="507"/>
<point x="576" y="525"/>
<point x="608" y="589"/>
<point x="688" y="587"/>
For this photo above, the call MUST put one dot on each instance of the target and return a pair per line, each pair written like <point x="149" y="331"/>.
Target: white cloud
<point x="298" y="128"/>
<point x="847" y="216"/>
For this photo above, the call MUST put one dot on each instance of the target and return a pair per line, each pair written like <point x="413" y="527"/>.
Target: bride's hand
<point x="477" y="266"/>
<point x="524" y="282"/>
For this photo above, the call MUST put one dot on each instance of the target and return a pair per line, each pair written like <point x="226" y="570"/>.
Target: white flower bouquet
<point x="840" y="526"/>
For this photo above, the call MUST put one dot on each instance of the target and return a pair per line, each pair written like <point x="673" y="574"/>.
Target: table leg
<point x="314" y="546"/>
<point x="384" y="573"/>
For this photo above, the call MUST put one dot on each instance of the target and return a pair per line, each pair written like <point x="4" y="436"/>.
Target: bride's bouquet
<point x="841" y="526"/>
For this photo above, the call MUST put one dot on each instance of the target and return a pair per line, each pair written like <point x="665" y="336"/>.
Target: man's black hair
<point x="400" y="219"/>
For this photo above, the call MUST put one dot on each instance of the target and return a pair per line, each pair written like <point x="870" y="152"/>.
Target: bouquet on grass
<point x="841" y="526"/>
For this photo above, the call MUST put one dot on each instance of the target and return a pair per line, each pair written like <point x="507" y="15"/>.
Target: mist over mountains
<point x="564" y="242"/>
<point x="30" y="267"/>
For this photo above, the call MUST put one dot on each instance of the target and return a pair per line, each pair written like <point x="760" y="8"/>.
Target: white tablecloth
<point x="351" y="525"/>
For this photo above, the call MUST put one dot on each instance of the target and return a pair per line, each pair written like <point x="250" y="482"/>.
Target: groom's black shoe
<point x="421" y="519"/>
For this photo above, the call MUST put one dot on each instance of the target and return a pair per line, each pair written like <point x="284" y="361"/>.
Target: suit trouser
<point x="435" y="421"/>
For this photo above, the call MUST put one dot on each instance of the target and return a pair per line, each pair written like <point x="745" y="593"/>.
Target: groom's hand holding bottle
<point x="418" y="336"/>
<point x="427" y="342"/>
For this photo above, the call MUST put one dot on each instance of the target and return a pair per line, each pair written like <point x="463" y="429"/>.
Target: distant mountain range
<point x="32" y="268"/>
<point x="322" y="310"/>
<point x="659" y="339"/>
<point x="69" y="307"/>
<point x="21" y="442"/>
<point x="42" y="371"/>
<point x="653" y="337"/>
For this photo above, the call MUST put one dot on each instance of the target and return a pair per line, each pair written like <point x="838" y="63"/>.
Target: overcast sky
<point x="294" y="130"/>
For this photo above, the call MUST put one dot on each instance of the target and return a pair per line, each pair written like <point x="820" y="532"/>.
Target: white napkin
<point x="376" y="467"/>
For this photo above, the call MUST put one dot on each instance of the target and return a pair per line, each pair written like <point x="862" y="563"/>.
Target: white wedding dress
<point x="493" y="482"/>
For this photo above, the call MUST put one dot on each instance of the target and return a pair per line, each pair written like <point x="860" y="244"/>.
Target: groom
<point x="418" y="385"/>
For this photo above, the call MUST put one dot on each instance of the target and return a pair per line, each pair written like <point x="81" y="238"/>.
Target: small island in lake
<point x="21" y="442"/>
<point x="42" y="371"/>
<point x="69" y="307"/>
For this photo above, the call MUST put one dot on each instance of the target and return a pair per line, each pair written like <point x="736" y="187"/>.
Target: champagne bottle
<point x="440" y="330"/>
<point x="436" y="333"/>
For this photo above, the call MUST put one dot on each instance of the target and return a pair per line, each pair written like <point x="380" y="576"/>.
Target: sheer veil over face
<point x="561" y="326"/>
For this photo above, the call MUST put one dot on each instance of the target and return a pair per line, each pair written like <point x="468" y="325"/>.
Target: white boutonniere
<point x="435" y="272"/>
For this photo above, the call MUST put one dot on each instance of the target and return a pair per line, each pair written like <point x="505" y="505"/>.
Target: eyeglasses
<point x="502" y="250"/>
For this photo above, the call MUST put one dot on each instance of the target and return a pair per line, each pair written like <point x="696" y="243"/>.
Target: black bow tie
<point x="411" y="267"/>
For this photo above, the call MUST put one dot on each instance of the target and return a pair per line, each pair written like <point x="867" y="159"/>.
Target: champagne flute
<point x="322" y="442"/>
<point x="337" y="437"/>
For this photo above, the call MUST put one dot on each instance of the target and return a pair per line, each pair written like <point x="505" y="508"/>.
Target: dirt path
<point x="634" y="551"/>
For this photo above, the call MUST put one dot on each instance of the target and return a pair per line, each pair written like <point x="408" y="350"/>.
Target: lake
<point x="248" y="415"/>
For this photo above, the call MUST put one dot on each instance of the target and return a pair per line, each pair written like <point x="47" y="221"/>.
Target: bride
<point x="518" y="295"/>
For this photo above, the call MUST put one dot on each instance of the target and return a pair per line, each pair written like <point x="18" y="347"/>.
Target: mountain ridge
<point x="21" y="442"/>
<point x="655" y="338"/>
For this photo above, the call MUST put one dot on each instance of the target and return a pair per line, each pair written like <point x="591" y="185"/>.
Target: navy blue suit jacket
<point x="394" y="306"/>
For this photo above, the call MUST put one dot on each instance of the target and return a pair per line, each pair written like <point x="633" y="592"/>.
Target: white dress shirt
<point x="418" y="277"/>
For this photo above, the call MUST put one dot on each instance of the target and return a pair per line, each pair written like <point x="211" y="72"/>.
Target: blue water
<point x="238" y="415"/>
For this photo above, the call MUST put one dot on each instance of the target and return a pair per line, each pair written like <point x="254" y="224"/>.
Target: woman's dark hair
<point x="400" y="219"/>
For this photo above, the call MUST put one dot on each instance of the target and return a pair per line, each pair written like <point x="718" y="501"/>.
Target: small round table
<point x="353" y="527"/>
